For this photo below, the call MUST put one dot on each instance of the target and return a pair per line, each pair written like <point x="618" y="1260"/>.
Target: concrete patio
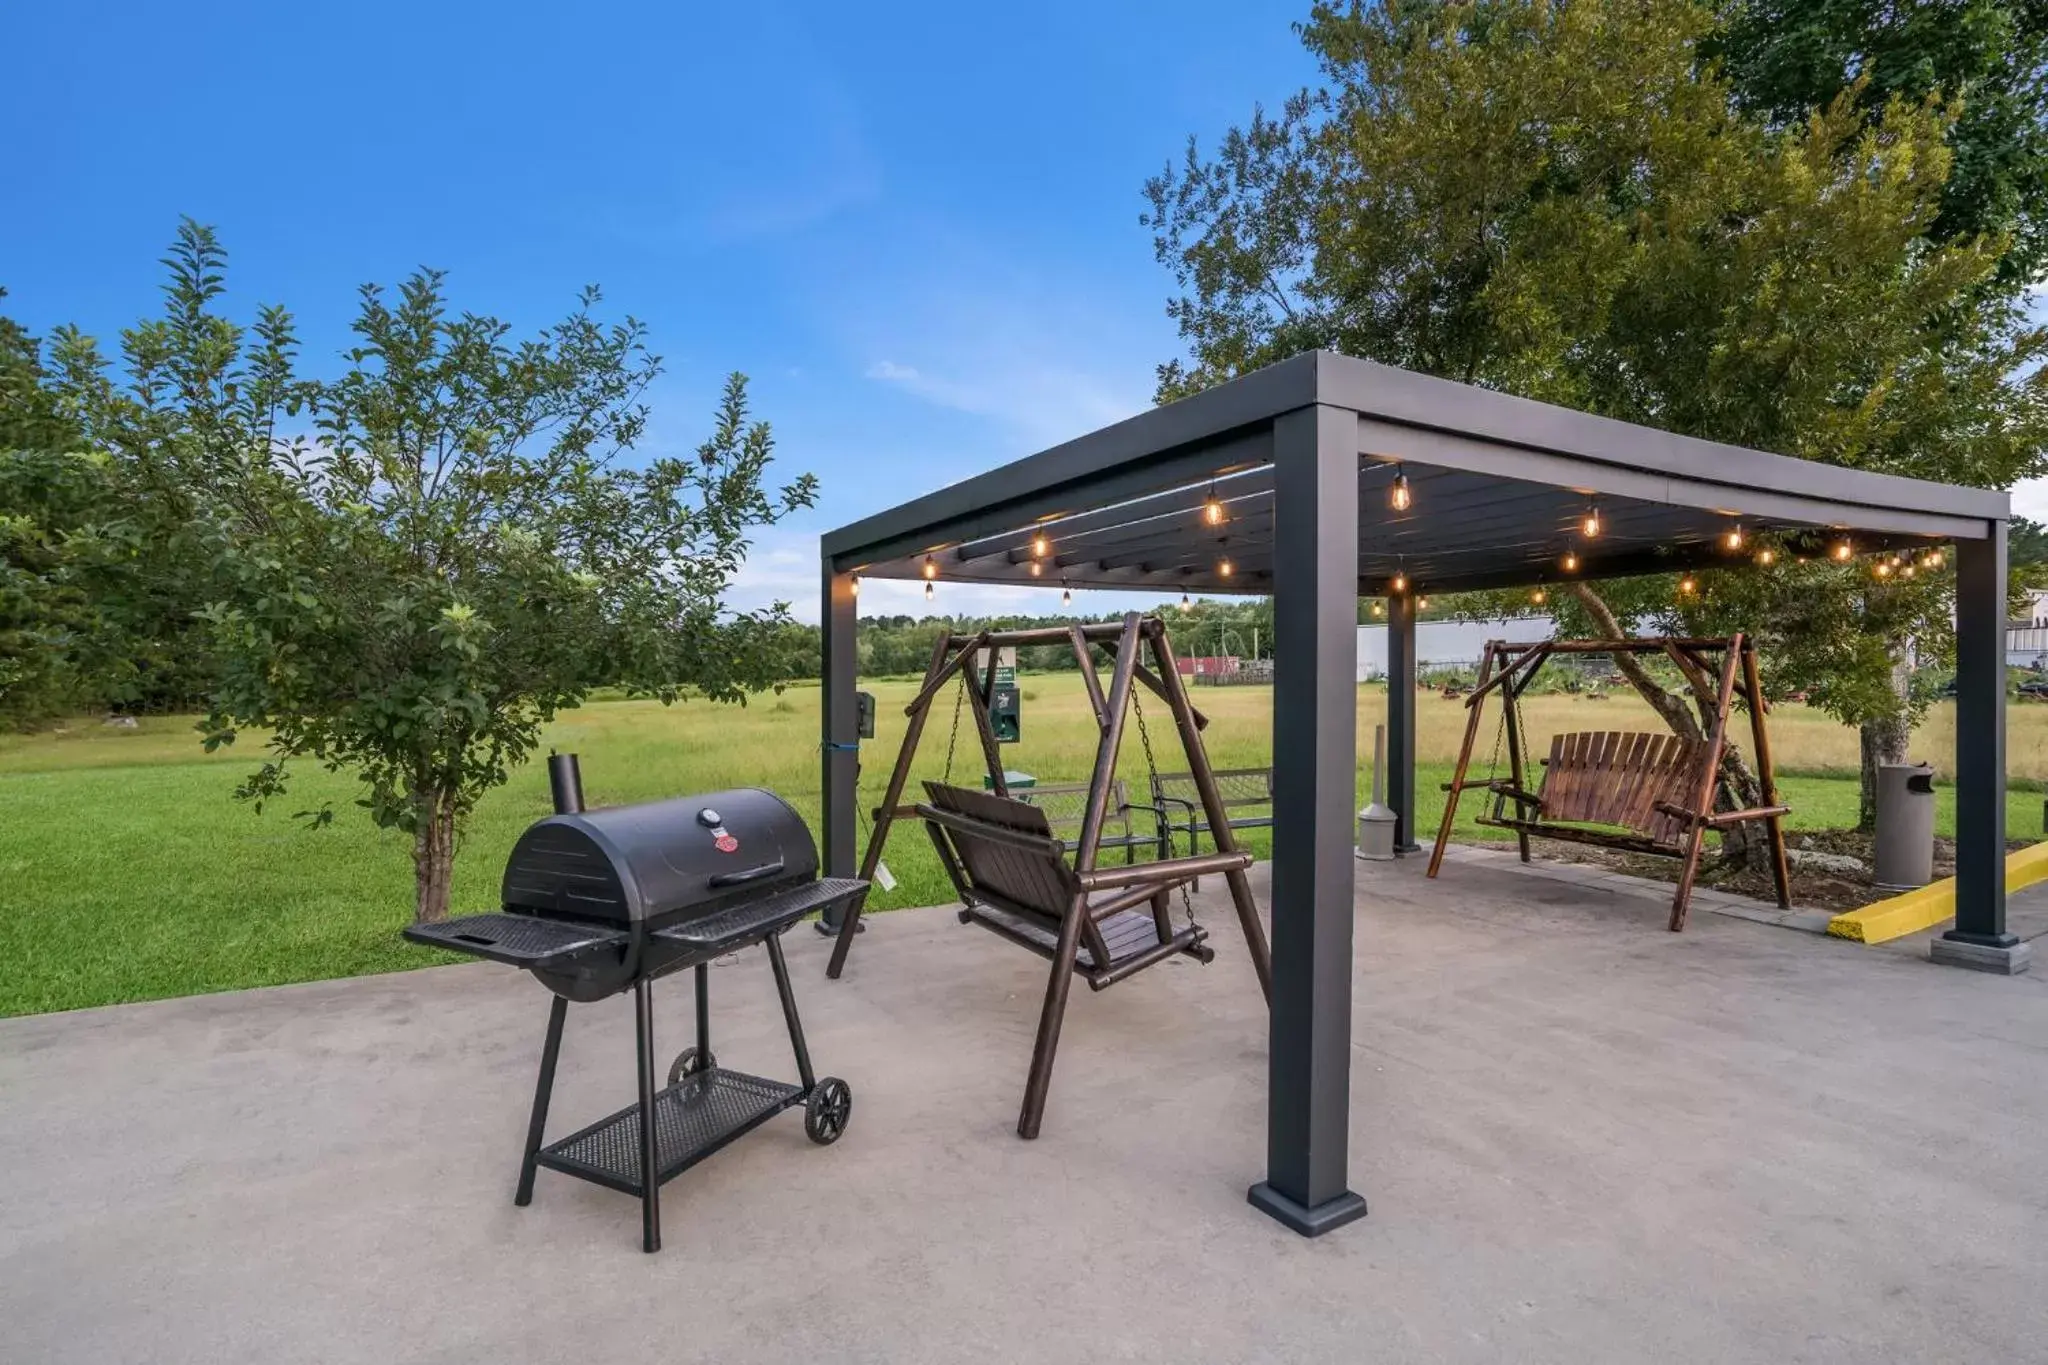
<point x="1582" y="1138"/>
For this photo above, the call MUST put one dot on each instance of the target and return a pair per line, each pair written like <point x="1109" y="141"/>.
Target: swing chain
<point x="953" y="737"/>
<point x="1152" y="773"/>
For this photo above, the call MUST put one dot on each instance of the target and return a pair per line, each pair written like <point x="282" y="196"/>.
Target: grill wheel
<point x="688" y="1063"/>
<point x="826" y="1112"/>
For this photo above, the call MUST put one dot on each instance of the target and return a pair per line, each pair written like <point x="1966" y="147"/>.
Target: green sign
<point x="1005" y="702"/>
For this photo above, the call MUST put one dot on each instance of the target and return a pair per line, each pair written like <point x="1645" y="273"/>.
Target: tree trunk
<point x="433" y="854"/>
<point x="1883" y="740"/>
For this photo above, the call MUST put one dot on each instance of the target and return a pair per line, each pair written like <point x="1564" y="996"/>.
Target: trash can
<point x="1012" y="779"/>
<point x="1376" y="821"/>
<point x="1905" y="826"/>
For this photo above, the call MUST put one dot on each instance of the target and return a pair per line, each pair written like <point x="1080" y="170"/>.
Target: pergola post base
<point x="1309" y="1222"/>
<point x="2000" y="954"/>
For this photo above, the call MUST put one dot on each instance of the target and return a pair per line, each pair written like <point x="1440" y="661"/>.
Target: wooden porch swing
<point x="1013" y="873"/>
<point x="1635" y="792"/>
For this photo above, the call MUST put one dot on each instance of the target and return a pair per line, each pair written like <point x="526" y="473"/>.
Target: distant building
<point x="2026" y="640"/>
<point x="1204" y="665"/>
<point x="1448" y="644"/>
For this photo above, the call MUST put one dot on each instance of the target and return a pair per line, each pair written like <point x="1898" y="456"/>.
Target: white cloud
<point x="889" y="371"/>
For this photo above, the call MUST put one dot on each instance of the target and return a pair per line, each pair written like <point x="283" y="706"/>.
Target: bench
<point x="1247" y="796"/>
<point x="1066" y="804"/>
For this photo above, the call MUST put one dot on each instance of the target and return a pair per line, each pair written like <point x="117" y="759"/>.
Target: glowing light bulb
<point x="1378" y="609"/>
<point x="931" y="567"/>
<point x="1766" y="556"/>
<point x="1882" y="568"/>
<point x="1841" y="551"/>
<point x="1934" y="559"/>
<point x="1212" y="511"/>
<point x="1223" y="567"/>
<point x="1400" y="497"/>
<point x="1687" y="586"/>
<point x="1400" y="583"/>
<point x="1538" y="596"/>
<point x="1185" y="605"/>
<point x="1066" y="597"/>
<point x="856" y="585"/>
<point x="1039" y="545"/>
<point x="1589" y="526"/>
<point x="1036" y="568"/>
<point x="1906" y="572"/>
<point x="1571" y="561"/>
<point x="1733" y="539"/>
<point x="928" y="592"/>
<point x="1422" y="604"/>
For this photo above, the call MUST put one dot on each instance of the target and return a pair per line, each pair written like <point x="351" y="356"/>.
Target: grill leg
<point x="542" y="1091"/>
<point x="650" y="1173"/>
<point x="704" y="1057"/>
<point x="796" y="1027"/>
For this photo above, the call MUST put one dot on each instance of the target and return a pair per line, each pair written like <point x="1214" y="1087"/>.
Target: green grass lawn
<point x="131" y="873"/>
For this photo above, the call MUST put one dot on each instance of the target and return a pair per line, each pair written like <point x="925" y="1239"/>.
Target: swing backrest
<point x="1617" y="777"/>
<point x="1039" y="883"/>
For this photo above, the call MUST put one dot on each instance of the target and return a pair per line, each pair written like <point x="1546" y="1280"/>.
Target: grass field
<point x="130" y="873"/>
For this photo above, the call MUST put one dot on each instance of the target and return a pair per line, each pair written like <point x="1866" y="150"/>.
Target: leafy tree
<point x="1987" y="58"/>
<point x="415" y="564"/>
<point x="1564" y="201"/>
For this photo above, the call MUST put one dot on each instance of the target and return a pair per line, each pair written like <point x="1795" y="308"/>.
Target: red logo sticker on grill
<point x="725" y="843"/>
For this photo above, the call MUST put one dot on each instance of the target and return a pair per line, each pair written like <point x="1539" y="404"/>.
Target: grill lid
<point x="661" y="860"/>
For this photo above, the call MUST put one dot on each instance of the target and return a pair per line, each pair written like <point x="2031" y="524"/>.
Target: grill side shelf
<point x="758" y="918"/>
<point x="692" y="1119"/>
<point x="517" y="940"/>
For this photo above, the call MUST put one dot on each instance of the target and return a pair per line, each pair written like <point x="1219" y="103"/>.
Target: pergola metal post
<point x="839" y="747"/>
<point x="1401" y="718"/>
<point x="1979" y="938"/>
<point x="1315" y="723"/>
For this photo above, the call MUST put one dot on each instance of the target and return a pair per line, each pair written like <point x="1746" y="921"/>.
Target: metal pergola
<point x="1301" y="458"/>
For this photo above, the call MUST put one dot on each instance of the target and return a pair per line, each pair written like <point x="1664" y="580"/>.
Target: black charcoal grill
<point x="602" y="901"/>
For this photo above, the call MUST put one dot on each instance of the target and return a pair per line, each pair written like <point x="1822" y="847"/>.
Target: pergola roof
<point x="1500" y="485"/>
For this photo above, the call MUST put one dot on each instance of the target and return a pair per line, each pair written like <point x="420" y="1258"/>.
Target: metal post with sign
<point x="1005" y="702"/>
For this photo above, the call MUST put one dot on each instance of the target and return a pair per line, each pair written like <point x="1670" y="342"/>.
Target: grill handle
<point x="751" y="874"/>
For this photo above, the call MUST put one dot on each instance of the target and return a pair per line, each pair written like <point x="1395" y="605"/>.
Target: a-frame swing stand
<point x="1629" y="791"/>
<point x="1130" y="643"/>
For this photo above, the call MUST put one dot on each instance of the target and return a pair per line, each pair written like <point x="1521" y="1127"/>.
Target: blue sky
<point x="915" y="226"/>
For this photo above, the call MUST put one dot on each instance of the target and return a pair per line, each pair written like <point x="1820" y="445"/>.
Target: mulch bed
<point x="1812" y="888"/>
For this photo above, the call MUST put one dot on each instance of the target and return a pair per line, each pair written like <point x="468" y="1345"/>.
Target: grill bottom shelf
<point x="692" y="1119"/>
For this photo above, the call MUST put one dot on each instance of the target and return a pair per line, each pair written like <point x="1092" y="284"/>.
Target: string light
<point x="1571" y="561"/>
<point x="1186" y="605"/>
<point x="1037" y="568"/>
<point x="1906" y="572"/>
<point x="1841" y="551"/>
<point x="1066" y="596"/>
<point x="1687" y="586"/>
<point x="931" y="569"/>
<point x="1400" y="582"/>
<point x="1422" y="604"/>
<point x="1589" y="525"/>
<point x="928" y="592"/>
<point x="1933" y="560"/>
<point x="1882" y="568"/>
<point x="1766" y="556"/>
<point x="1538" y="596"/>
<point x="1039" y="545"/>
<point x="856" y="585"/>
<point x="1212" y="510"/>
<point x="1379" y="609"/>
<point x="1733" y="538"/>
<point x="1223" y="566"/>
<point x="1399" y="497"/>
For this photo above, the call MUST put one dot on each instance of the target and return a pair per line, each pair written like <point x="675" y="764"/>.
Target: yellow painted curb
<point x="1926" y="906"/>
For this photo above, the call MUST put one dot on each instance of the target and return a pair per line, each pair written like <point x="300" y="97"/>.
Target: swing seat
<point x="1011" y="872"/>
<point x="1013" y="879"/>
<point x="1634" y="783"/>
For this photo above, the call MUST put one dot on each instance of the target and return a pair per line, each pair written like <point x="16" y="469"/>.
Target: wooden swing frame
<point x="1014" y="876"/>
<point x="1659" y="826"/>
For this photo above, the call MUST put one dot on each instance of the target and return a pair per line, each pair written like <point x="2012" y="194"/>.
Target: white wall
<point x="1449" y="642"/>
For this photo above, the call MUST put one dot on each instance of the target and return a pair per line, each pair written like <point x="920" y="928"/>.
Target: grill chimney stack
<point x="565" y="780"/>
